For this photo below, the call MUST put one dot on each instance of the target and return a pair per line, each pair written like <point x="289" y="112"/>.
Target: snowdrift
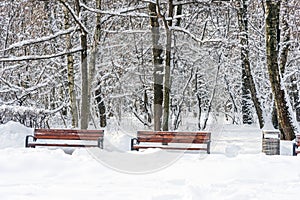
<point x="235" y="170"/>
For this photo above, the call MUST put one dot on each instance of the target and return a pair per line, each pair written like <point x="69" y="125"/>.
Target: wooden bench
<point x="172" y="140"/>
<point x="65" y="138"/>
<point x="296" y="144"/>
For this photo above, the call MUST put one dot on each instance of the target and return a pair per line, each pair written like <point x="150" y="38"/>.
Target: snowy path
<point x="235" y="170"/>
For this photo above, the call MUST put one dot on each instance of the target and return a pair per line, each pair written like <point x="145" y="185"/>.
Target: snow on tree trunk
<point x="249" y="88"/>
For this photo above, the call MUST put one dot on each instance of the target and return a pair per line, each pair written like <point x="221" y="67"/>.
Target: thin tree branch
<point x="34" y="57"/>
<point x="121" y="12"/>
<point x="40" y="40"/>
<point x="75" y="17"/>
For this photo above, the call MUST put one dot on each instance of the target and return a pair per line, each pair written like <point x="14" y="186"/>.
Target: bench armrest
<point x="134" y="141"/>
<point x="294" y="149"/>
<point x="27" y="140"/>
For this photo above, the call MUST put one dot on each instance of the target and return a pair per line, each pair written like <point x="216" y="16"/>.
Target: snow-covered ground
<point x="235" y="170"/>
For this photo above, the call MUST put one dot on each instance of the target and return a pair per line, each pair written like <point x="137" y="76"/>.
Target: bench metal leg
<point x="100" y="143"/>
<point x="208" y="147"/>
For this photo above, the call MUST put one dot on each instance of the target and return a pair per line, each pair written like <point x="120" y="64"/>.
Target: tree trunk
<point x="71" y="79"/>
<point x="167" y="80"/>
<point x="232" y="99"/>
<point x="92" y="64"/>
<point x="198" y="83"/>
<point x="147" y="115"/>
<point x="284" y="117"/>
<point x="249" y="89"/>
<point x="101" y="106"/>
<point x="210" y="103"/>
<point x="85" y="97"/>
<point x="285" y="35"/>
<point x="158" y="68"/>
<point x="295" y="96"/>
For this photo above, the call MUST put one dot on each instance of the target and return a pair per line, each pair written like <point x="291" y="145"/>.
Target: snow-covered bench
<point x="296" y="144"/>
<point x="172" y="140"/>
<point x="65" y="138"/>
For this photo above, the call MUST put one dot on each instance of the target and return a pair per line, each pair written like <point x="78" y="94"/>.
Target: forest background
<point x="87" y="63"/>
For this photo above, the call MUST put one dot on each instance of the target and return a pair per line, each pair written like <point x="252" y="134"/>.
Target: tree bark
<point x="295" y="96"/>
<point x="249" y="88"/>
<point x="158" y="68"/>
<point x="285" y="35"/>
<point x="71" y="79"/>
<point x="101" y="106"/>
<point x="167" y="78"/>
<point x="92" y="66"/>
<point x="85" y="96"/>
<point x="272" y="31"/>
<point x="285" y="46"/>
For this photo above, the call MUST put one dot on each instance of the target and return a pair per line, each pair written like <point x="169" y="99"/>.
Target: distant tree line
<point x="82" y="63"/>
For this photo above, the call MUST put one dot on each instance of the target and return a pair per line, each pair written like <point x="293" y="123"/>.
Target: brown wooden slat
<point x="178" y="137"/>
<point x="61" y="145"/>
<point x="67" y="131"/>
<point x="174" y="140"/>
<point x="62" y="133"/>
<point x="162" y="133"/>
<point x="66" y="134"/>
<point x="175" y="137"/>
<point x="69" y="136"/>
<point x="169" y="148"/>
<point x="79" y="135"/>
<point x="91" y="134"/>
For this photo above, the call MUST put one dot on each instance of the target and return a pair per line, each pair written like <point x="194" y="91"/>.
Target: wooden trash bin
<point x="271" y="142"/>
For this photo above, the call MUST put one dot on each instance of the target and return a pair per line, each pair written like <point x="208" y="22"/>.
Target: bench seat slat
<point x="62" y="133"/>
<point x="174" y="140"/>
<point x="170" y="148"/>
<point x="69" y="136"/>
<point x="53" y="131"/>
<point x="162" y="133"/>
<point x="60" y="145"/>
<point x="175" y="136"/>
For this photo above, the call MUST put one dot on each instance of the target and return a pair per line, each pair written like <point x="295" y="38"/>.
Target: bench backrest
<point x="173" y="137"/>
<point x="68" y="134"/>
